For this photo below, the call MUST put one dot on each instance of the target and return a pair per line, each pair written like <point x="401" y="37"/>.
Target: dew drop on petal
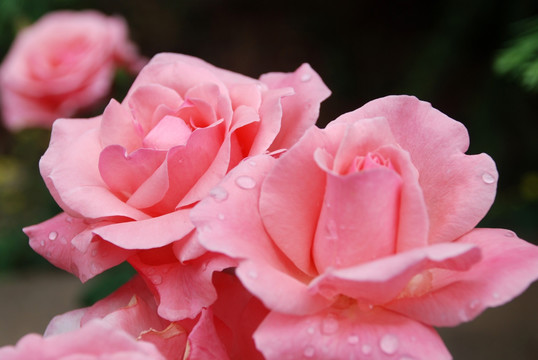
<point x="53" y="235"/>
<point x="329" y="325"/>
<point x="389" y="344"/>
<point x="366" y="349"/>
<point x="94" y="268"/>
<point x="220" y="216"/>
<point x="94" y="252"/>
<point x="156" y="279"/>
<point x="473" y="304"/>
<point x="311" y="330"/>
<point x="306" y="77"/>
<point x="252" y="163"/>
<point x="253" y="274"/>
<point x="218" y="194"/>
<point x="496" y="295"/>
<point x="42" y="243"/>
<point x="332" y="231"/>
<point x="488" y="178"/>
<point x="245" y="182"/>
<point x="309" y="351"/>
<point x="69" y="219"/>
<point x="509" y="234"/>
<point x="353" y="339"/>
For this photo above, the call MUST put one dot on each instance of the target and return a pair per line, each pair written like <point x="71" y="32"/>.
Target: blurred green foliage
<point x="520" y="58"/>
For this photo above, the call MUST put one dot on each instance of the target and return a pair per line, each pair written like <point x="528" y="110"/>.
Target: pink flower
<point x="96" y="340"/>
<point x="222" y="331"/>
<point x="361" y="237"/>
<point x="128" y="179"/>
<point x="63" y="63"/>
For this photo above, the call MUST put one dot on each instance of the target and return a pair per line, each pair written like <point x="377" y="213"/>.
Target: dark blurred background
<point x="475" y="60"/>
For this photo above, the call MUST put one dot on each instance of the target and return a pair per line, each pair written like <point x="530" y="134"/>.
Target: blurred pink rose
<point x="96" y="340"/>
<point x="222" y="331"/>
<point x="128" y="179"/>
<point x="63" y="63"/>
<point x="361" y="237"/>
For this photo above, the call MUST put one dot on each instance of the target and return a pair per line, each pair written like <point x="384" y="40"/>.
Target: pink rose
<point x="128" y="179"/>
<point x="361" y="237"/>
<point x="222" y="331"/>
<point x="97" y="340"/>
<point x="63" y="63"/>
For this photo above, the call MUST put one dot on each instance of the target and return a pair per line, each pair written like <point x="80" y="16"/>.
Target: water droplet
<point x="53" y="235"/>
<point x="329" y="325"/>
<point x="389" y="344"/>
<point x="220" y="216"/>
<point x="365" y="307"/>
<point x="245" y="182"/>
<point x="69" y="219"/>
<point x="353" y="339"/>
<point x="332" y="232"/>
<point x="63" y="240"/>
<point x="496" y="295"/>
<point x="253" y="274"/>
<point x="306" y="77"/>
<point x="42" y="243"/>
<point x="94" y="269"/>
<point x="488" y="178"/>
<point x="218" y="194"/>
<point x="150" y="271"/>
<point x="156" y="279"/>
<point x="473" y="304"/>
<point x="309" y="351"/>
<point x="510" y="234"/>
<point x="311" y="330"/>
<point x="252" y="163"/>
<point x="94" y="252"/>
<point x="366" y="349"/>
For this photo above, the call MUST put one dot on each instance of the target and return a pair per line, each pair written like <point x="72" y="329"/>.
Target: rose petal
<point x="204" y="342"/>
<point x="170" y="342"/>
<point x="278" y="290"/>
<point x="348" y="334"/>
<point x="350" y="230"/>
<point x="508" y="266"/>
<point x="226" y="223"/>
<point x="413" y="222"/>
<point x="291" y="199"/>
<point x="148" y="234"/>
<point x="70" y="170"/>
<point x="54" y="240"/>
<point x="144" y="100"/>
<point x="124" y="173"/>
<point x="301" y="110"/>
<point x="182" y="289"/>
<point x="169" y="132"/>
<point x="458" y="188"/>
<point x="118" y="128"/>
<point x="75" y="345"/>
<point x="270" y="119"/>
<point x="379" y="281"/>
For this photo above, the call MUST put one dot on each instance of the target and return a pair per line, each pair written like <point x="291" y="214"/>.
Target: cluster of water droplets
<point x="388" y="344"/>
